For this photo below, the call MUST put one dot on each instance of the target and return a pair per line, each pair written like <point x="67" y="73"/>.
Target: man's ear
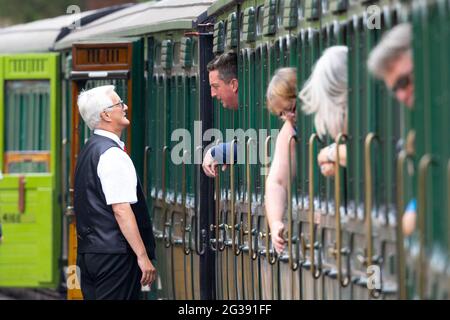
<point x="234" y="84"/>
<point x="105" y="116"/>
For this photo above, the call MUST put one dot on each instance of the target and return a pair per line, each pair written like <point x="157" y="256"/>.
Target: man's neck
<point x="107" y="128"/>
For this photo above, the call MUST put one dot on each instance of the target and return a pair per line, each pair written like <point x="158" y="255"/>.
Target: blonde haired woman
<point x="325" y="95"/>
<point x="281" y="100"/>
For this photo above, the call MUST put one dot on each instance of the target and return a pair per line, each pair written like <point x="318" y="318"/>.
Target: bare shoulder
<point x="287" y="130"/>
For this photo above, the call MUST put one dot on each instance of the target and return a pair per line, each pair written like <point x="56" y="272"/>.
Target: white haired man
<point x="115" y="237"/>
<point x="392" y="61"/>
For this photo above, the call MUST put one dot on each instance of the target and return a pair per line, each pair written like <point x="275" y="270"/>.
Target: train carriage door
<point x="119" y="63"/>
<point x="29" y="179"/>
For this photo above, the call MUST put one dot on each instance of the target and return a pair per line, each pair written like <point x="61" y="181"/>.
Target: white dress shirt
<point x="116" y="172"/>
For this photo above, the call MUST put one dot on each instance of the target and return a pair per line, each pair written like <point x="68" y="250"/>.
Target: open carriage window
<point x="27" y="126"/>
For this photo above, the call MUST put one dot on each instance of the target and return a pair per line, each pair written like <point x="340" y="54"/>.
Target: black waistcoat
<point x="97" y="228"/>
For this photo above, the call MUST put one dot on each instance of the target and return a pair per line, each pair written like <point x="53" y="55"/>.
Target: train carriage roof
<point x="41" y="35"/>
<point x="141" y="19"/>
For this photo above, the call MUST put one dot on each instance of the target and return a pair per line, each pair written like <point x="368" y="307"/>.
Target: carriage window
<point x="241" y="26"/>
<point x="176" y="53"/>
<point x="324" y="6"/>
<point x="280" y="13"/>
<point x="259" y="20"/>
<point x="194" y="52"/>
<point x="157" y="54"/>
<point x="224" y="30"/>
<point x="27" y="126"/>
<point x="300" y="8"/>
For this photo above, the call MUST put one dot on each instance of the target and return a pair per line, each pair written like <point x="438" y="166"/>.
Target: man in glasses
<point x="391" y="60"/>
<point x="115" y="237"/>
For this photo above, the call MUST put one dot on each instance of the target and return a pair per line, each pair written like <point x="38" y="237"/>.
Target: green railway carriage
<point x="30" y="207"/>
<point x="163" y="94"/>
<point x="212" y="237"/>
<point x="30" y="212"/>
<point x="370" y="190"/>
<point x="430" y="267"/>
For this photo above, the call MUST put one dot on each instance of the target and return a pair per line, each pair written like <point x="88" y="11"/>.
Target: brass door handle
<point x="271" y="258"/>
<point x="235" y="247"/>
<point x="402" y="159"/>
<point x="215" y="227"/>
<point x="146" y="150"/>
<point x="312" y="236"/>
<point x="252" y="252"/>
<point x="293" y="264"/>
<point x="370" y="138"/>
<point x="337" y="196"/>
<point x="448" y="203"/>
<point x="186" y="228"/>
<point x="368" y="194"/>
<point x="425" y="163"/>
<point x="167" y="240"/>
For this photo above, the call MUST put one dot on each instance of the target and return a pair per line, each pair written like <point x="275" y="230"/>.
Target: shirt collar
<point x="110" y="135"/>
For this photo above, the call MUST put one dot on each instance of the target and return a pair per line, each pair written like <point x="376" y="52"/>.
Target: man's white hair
<point x="92" y="102"/>
<point x="393" y="44"/>
<point x="325" y="92"/>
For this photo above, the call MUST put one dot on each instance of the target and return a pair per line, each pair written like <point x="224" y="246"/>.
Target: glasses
<point x="402" y="82"/>
<point x="292" y="110"/>
<point x="121" y="103"/>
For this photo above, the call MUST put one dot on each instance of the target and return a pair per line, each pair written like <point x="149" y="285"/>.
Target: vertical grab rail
<point x="337" y="196"/>
<point x="236" y="249"/>
<point x="217" y="226"/>
<point x="272" y="259"/>
<point x="312" y="234"/>
<point x="146" y="150"/>
<point x="448" y="213"/>
<point x="167" y="238"/>
<point x="293" y="264"/>
<point x="401" y="267"/>
<point x="186" y="229"/>
<point x="425" y="163"/>
<point x="368" y="190"/>
<point x="249" y="232"/>
<point x="194" y="224"/>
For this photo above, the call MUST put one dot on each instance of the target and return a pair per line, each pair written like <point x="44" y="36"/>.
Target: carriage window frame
<point x="325" y="6"/>
<point x="259" y="20"/>
<point x="157" y="57"/>
<point x="280" y="13"/>
<point x="176" y="53"/>
<point x="301" y="9"/>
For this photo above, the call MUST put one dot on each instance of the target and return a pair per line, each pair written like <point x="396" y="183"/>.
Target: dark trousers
<point x="109" y="276"/>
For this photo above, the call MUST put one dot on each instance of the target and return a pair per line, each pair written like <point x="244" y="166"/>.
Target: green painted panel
<point x="187" y="45"/>
<point x="219" y="38"/>
<point x="338" y="6"/>
<point x="30" y="118"/>
<point x="167" y="54"/>
<point x="249" y="26"/>
<point x="312" y="9"/>
<point x="290" y="14"/>
<point x="29" y="66"/>
<point x="232" y="31"/>
<point x="270" y="17"/>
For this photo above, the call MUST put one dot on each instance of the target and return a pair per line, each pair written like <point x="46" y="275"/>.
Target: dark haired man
<point x="224" y="87"/>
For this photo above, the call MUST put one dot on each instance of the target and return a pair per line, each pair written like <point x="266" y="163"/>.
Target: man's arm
<point x="127" y="224"/>
<point x="276" y="187"/>
<point x="220" y="154"/>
